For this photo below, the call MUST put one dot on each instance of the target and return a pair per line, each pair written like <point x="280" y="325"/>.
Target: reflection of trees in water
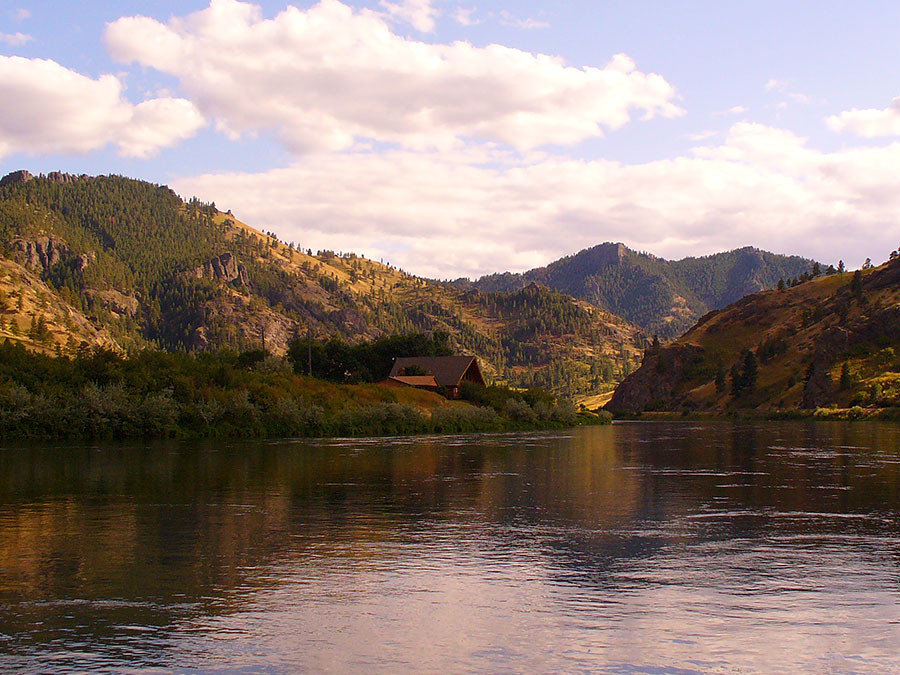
<point x="153" y="535"/>
<point x="716" y="483"/>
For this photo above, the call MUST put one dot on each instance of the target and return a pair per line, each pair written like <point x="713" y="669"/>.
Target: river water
<point x="659" y="548"/>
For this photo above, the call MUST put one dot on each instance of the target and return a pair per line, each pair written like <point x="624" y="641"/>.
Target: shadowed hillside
<point x="663" y="297"/>
<point x="830" y="341"/>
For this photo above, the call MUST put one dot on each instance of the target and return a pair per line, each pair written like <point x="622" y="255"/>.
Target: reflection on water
<point x="636" y="548"/>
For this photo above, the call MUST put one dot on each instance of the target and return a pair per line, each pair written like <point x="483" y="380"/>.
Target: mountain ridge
<point x="147" y="269"/>
<point x="663" y="297"/>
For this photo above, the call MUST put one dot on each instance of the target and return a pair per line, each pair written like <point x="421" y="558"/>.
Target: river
<point x="658" y="548"/>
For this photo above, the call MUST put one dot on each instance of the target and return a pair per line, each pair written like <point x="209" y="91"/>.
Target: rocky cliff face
<point x="58" y="177"/>
<point x="43" y="252"/>
<point x="15" y="178"/>
<point x="224" y="269"/>
<point x="40" y="254"/>
<point x="655" y="384"/>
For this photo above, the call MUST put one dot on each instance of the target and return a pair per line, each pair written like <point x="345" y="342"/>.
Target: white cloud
<point x="46" y="108"/>
<point x="703" y="135"/>
<point x="328" y="77"/>
<point x="464" y="16"/>
<point x="529" y="23"/>
<point x="420" y="14"/>
<point x="20" y="14"/>
<point x="733" y="110"/>
<point x="783" y="87"/>
<point x="870" y="122"/>
<point x="469" y="212"/>
<point x="15" y="39"/>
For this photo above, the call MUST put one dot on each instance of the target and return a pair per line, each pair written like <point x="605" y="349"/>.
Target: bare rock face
<point x="82" y="261"/>
<point x="15" y="178"/>
<point x="115" y="301"/>
<point x="225" y="269"/>
<point x="350" y="320"/>
<point x="199" y="339"/>
<point x="61" y="178"/>
<point x="654" y="384"/>
<point x="40" y="254"/>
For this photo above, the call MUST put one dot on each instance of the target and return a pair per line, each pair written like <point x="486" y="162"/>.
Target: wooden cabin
<point x="446" y="373"/>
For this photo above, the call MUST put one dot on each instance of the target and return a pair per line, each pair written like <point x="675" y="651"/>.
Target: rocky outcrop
<point x="58" y="177"/>
<point x="39" y="254"/>
<point x="224" y="269"/>
<point x="82" y="261"/>
<point x="61" y="178"/>
<point x="15" y="178"/>
<point x="114" y="301"/>
<point x="654" y="385"/>
<point x="350" y="320"/>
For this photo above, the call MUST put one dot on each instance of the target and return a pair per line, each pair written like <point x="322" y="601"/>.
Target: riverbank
<point x="225" y="395"/>
<point x="856" y="413"/>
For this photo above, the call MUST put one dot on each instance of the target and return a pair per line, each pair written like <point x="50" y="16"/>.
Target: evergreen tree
<point x="845" y="376"/>
<point x="856" y="285"/>
<point x="744" y="376"/>
<point x="720" y="380"/>
<point x="750" y="370"/>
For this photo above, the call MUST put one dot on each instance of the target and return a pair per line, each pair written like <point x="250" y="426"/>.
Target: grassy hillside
<point x="663" y="297"/>
<point x="831" y="341"/>
<point x="110" y="261"/>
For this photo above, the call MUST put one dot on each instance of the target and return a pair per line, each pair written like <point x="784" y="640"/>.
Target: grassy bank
<point x="854" y="413"/>
<point x="178" y="395"/>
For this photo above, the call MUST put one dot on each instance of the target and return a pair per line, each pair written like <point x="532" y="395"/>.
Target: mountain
<point x="663" y="297"/>
<point x="830" y="341"/>
<point x="124" y="264"/>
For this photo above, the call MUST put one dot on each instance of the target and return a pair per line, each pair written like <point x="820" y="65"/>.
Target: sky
<point x="464" y="138"/>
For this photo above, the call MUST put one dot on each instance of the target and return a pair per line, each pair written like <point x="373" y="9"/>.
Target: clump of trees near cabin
<point x="337" y="360"/>
<point x="100" y="394"/>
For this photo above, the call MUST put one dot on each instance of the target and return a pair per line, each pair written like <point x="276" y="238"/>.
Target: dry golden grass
<point x="28" y="297"/>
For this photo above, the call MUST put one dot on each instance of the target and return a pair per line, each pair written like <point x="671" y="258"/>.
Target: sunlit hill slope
<point x="110" y="261"/>
<point x="830" y="341"/>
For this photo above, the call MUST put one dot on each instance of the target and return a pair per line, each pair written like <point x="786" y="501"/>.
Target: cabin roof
<point x="448" y="371"/>
<point x="416" y="380"/>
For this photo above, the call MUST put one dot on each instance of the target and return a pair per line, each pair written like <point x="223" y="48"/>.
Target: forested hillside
<point x="111" y="261"/>
<point x="663" y="297"/>
<point x="831" y="341"/>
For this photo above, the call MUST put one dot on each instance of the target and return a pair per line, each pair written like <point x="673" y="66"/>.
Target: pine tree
<point x="745" y="375"/>
<point x="720" y="380"/>
<point x="856" y="285"/>
<point x="845" y="376"/>
<point x="750" y="370"/>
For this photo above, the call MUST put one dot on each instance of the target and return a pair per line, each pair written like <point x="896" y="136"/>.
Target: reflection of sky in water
<point x="642" y="548"/>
